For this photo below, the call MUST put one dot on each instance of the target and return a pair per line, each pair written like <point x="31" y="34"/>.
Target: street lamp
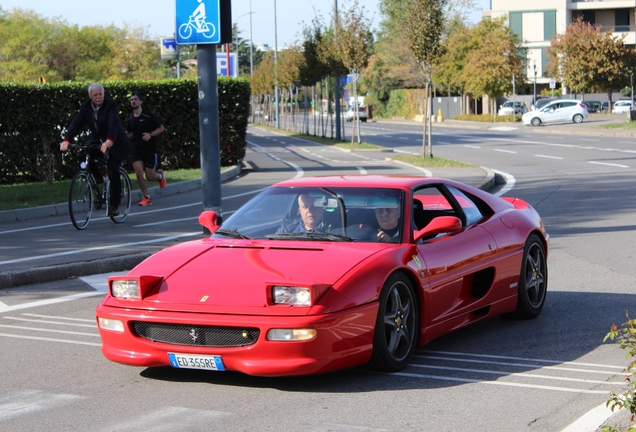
<point x="534" y="68"/>
<point x="251" y="44"/>
<point x="632" y="91"/>
<point x="238" y="60"/>
<point x="276" y="68"/>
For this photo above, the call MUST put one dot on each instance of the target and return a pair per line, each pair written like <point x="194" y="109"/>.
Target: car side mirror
<point x="208" y="219"/>
<point x="441" y="224"/>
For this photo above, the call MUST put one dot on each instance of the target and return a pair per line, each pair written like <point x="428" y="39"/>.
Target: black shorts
<point x="149" y="159"/>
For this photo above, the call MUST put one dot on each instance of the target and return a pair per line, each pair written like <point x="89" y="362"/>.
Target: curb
<point x="11" y="279"/>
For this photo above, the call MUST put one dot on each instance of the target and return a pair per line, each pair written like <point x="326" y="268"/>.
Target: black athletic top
<point x="139" y="125"/>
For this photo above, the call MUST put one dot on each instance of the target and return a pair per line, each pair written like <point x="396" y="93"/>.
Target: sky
<point x="158" y="16"/>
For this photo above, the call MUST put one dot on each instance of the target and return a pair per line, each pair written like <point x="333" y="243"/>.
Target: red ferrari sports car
<point x="325" y="273"/>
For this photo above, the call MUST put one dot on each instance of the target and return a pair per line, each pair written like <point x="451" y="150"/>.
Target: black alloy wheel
<point x="397" y="325"/>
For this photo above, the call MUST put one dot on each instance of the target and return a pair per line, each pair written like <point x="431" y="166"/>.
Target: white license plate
<point x="189" y="361"/>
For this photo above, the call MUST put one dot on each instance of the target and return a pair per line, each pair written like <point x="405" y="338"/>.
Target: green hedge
<point x="34" y="118"/>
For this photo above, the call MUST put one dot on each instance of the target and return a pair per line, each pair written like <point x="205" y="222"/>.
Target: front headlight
<point x="125" y="288"/>
<point x="111" y="324"/>
<point x="294" y="296"/>
<point x="133" y="287"/>
<point x="291" y="334"/>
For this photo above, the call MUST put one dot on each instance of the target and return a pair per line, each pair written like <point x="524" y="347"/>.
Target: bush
<point x="34" y="118"/>
<point x="625" y="337"/>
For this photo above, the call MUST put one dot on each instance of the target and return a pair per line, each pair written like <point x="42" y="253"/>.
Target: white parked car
<point x="557" y="111"/>
<point x="350" y="113"/>
<point x="621" y="106"/>
<point x="507" y="108"/>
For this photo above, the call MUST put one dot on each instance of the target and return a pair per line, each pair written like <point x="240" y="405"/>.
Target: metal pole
<point x="275" y="66"/>
<point x="534" y="67"/>
<point x="632" y="90"/>
<point x="337" y="82"/>
<point x="209" y="134"/>
<point x="514" y="100"/>
<point x="251" y="44"/>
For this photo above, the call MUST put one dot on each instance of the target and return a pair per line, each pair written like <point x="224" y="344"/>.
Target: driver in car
<point x="389" y="220"/>
<point x="311" y="218"/>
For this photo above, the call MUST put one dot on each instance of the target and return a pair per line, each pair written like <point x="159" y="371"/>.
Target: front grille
<point x="177" y="334"/>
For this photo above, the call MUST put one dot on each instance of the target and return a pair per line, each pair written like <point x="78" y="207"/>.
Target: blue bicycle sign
<point x="196" y="23"/>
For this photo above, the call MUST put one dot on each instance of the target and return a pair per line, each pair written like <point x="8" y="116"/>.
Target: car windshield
<point x="323" y="214"/>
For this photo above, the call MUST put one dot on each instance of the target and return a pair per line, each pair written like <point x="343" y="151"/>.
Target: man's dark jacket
<point x="107" y="126"/>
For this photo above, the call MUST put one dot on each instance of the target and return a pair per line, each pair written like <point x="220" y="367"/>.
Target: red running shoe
<point x="162" y="182"/>
<point x="145" y="202"/>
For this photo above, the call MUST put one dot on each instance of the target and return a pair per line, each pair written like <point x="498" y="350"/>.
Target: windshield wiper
<point x="309" y="235"/>
<point x="232" y="233"/>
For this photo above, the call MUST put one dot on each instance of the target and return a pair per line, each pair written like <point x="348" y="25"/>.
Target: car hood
<point x="222" y="275"/>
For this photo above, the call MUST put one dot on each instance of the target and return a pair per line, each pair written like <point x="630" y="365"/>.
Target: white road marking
<point x="505" y="151"/>
<point x="591" y="420"/>
<point x="501" y="383"/>
<point x="168" y="419"/>
<point x="527" y="365"/>
<point x="500" y="357"/>
<point x="123" y="246"/>
<point x="521" y="374"/>
<point x="63" y="299"/>
<point x="472" y="146"/>
<point x="608" y="164"/>
<point x="41" y="321"/>
<point x="51" y="340"/>
<point x="49" y="330"/>
<point x="27" y="402"/>
<point x="548" y="157"/>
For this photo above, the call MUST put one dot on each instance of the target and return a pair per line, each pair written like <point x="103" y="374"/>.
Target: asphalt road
<point x="500" y="375"/>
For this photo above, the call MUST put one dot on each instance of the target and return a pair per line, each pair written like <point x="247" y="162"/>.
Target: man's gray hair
<point x="95" y="85"/>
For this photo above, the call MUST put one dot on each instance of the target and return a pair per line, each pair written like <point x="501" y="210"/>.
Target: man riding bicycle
<point x="101" y="114"/>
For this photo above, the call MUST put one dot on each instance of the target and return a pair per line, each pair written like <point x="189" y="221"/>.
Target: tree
<point x="449" y="72"/>
<point x="424" y="26"/>
<point x="134" y="55"/>
<point x="589" y="60"/>
<point x="495" y="60"/>
<point x="34" y="48"/>
<point x="352" y="44"/>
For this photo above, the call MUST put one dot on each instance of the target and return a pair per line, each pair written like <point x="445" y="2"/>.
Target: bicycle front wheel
<point x="80" y="200"/>
<point x="126" y="197"/>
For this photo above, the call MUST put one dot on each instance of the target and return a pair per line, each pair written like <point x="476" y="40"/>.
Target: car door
<point x="548" y="113"/>
<point x="460" y="266"/>
<point x="567" y="110"/>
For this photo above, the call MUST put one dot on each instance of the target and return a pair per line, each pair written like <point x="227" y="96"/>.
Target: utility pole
<point x="337" y="80"/>
<point x="276" y="109"/>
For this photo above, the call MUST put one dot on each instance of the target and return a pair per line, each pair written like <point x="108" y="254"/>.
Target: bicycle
<point x="207" y="29"/>
<point x="85" y="193"/>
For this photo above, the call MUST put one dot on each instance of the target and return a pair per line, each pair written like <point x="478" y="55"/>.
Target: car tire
<point x="578" y="118"/>
<point x="533" y="280"/>
<point x="397" y="325"/>
<point x="535" y="121"/>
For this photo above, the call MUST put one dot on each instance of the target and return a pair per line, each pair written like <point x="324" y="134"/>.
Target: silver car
<point x="507" y="108"/>
<point x="558" y="111"/>
<point x="622" y="106"/>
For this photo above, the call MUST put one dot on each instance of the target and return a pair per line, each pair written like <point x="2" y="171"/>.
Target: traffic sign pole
<point x="209" y="133"/>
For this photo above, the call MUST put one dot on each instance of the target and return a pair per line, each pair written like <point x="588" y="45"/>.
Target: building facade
<point x="537" y="22"/>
